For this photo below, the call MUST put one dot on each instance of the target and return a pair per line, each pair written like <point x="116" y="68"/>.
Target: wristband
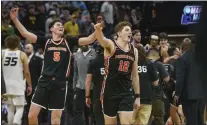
<point x="88" y="97"/>
<point x="136" y="96"/>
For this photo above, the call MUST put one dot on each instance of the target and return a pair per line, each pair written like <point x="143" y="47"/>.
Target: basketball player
<point x="121" y="60"/>
<point x="95" y="75"/>
<point x="51" y="88"/>
<point x="14" y="62"/>
<point x="148" y="77"/>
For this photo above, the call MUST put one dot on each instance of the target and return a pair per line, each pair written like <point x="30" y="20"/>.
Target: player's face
<point x="126" y="34"/>
<point x="58" y="28"/>
<point x="137" y="37"/>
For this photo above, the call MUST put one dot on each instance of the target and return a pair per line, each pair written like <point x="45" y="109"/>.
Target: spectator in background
<point x="79" y="4"/>
<point x="71" y="27"/>
<point x="85" y="25"/>
<point x="6" y="28"/>
<point x="81" y="61"/>
<point x="108" y="11"/>
<point x="136" y="34"/>
<point x="22" y="11"/>
<point x="41" y="17"/>
<point x="52" y="16"/>
<point x="30" y="20"/>
<point x="65" y="14"/>
<point x="154" y="47"/>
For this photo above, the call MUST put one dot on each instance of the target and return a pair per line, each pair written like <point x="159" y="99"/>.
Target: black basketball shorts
<point x="117" y="104"/>
<point x="50" y="93"/>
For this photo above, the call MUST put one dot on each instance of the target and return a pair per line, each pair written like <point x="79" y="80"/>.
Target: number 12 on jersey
<point x="124" y="66"/>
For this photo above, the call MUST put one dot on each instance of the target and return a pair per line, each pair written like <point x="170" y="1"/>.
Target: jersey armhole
<point x="111" y="54"/>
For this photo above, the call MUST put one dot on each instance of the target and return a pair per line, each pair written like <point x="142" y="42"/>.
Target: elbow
<point x="24" y="34"/>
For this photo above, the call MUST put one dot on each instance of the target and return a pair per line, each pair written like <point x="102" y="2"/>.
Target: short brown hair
<point x="163" y="35"/>
<point x="121" y="25"/>
<point x="12" y="42"/>
<point x="55" y="21"/>
<point x="135" y="32"/>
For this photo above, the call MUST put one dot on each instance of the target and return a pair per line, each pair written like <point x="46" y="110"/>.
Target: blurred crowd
<point x="78" y="17"/>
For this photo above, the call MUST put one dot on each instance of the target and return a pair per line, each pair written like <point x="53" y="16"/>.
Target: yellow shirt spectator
<point x="71" y="27"/>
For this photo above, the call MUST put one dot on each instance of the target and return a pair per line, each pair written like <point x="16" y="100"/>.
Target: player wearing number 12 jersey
<point x="120" y="67"/>
<point x="51" y="89"/>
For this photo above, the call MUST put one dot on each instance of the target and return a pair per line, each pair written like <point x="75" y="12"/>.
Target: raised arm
<point x="87" y="40"/>
<point x="104" y="42"/>
<point x="30" y="36"/>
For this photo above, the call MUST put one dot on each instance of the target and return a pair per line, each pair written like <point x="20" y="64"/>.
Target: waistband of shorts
<point x="54" y="78"/>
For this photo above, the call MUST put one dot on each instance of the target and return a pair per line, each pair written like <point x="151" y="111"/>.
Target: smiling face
<point x="57" y="28"/>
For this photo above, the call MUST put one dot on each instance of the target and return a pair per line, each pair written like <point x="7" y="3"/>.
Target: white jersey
<point x="13" y="72"/>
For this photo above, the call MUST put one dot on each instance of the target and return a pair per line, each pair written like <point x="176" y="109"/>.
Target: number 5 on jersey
<point x="56" y="56"/>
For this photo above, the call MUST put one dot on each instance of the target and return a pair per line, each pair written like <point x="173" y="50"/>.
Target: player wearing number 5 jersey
<point x="51" y="89"/>
<point x="120" y="67"/>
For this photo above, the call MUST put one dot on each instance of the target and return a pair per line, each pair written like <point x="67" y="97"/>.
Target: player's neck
<point x="13" y="49"/>
<point x="56" y="37"/>
<point x="123" y="44"/>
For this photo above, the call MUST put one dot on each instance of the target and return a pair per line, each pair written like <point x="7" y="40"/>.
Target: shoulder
<point x="37" y="57"/>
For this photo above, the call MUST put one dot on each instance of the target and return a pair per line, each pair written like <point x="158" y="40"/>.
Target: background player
<point x="14" y="64"/>
<point x="121" y="61"/>
<point x="95" y="75"/>
<point x="51" y="89"/>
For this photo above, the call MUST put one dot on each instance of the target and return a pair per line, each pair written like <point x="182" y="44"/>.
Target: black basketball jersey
<point x="96" y="68"/>
<point x="118" y="68"/>
<point x="57" y="57"/>
<point x="147" y="75"/>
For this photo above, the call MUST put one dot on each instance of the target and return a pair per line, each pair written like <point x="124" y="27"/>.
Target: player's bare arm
<point x="107" y="44"/>
<point x="87" y="89"/>
<point x="87" y="40"/>
<point x="30" y="36"/>
<point x="135" y="75"/>
<point x="26" y="72"/>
